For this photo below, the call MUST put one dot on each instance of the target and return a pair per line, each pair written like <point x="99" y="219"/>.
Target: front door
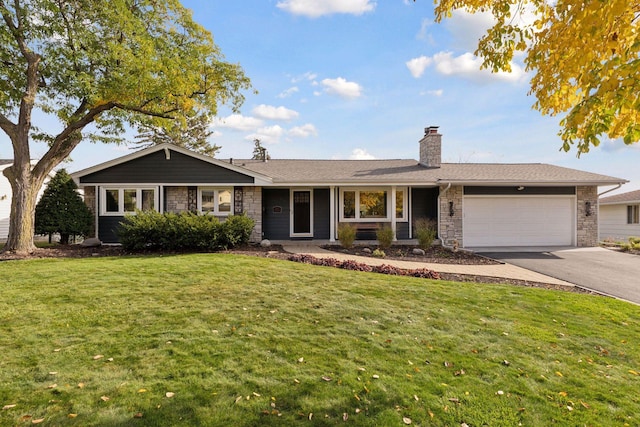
<point x="302" y="220"/>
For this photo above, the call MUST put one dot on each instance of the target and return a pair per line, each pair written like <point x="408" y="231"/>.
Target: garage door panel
<point x="518" y="221"/>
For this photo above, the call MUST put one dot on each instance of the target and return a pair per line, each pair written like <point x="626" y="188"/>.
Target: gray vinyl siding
<point x="321" y="214"/>
<point x="108" y="228"/>
<point x="155" y="168"/>
<point x="402" y="230"/>
<point x="275" y="224"/>
<point x="424" y="203"/>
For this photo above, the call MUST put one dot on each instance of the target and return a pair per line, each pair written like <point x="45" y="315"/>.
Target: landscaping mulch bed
<point x="434" y="255"/>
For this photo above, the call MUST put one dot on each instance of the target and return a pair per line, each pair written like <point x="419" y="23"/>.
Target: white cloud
<point x="237" y="122"/>
<point x="468" y="65"/>
<point x="288" y="92"/>
<point x="361" y="154"/>
<point x="267" y="134"/>
<point x="306" y="76"/>
<point x="342" y="88"/>
<point x="317" y="8"/>
<point x="303" y="131"/>
<point x="417" y="65"/>
<point x="436" y="92"/>
<point x="269" y="112"/>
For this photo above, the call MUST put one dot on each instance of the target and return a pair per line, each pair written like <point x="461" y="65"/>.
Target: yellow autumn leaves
<point x="583" y="55"/>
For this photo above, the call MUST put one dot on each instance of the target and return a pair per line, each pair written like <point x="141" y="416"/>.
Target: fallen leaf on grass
<point x="454" y="400"/>
<point x="345" y="416"/>
<point x="97" y="356"/>
<point x="104" y="398"/>
<point x="80" y="385"/>
<point x="584" y="405"/>
<point x="38" y="421"/>
<point x="13" y="405"/>
<point x="327" y="379"/>
<point x="238" y="399"/>
<point x="72" y="415"/>
<point x="375" y="377"/>
<point x="310" y="415"/>
<point x="558" y="373"/>
<point x="169" y="394"/>
<point x="301" y="360"/>
<point x="52" y="386"/>
<point x="406" y="420"/>
<point x="632" y="372"/>
<point x="142" y="390"/>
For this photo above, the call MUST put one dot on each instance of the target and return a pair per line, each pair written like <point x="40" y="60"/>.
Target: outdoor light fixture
<point x="587" y="208"/>
<point x="451" y="212"/>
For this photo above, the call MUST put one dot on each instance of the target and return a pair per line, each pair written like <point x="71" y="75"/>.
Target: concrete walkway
<point x="507" y="271"/>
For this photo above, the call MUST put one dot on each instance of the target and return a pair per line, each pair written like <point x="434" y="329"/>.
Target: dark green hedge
<point x="183" y="231"/>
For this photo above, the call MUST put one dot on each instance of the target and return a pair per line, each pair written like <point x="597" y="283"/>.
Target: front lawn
<point x="229" y="340"/>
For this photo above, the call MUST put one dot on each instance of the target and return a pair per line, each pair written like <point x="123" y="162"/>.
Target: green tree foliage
<point x="259" y="151"/>
<point x="61" y="210"/>
<point x="584" y="55"/>
<point x="193" y="133"/>
<point x="98" y="67"/>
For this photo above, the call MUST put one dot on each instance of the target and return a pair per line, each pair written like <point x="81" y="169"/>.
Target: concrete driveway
<point x="603" y="270"/>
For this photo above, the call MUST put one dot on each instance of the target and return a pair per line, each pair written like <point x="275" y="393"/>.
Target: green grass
<point x="245" y="341"/>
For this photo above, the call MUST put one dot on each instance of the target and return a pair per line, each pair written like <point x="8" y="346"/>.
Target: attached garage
<point x="509" y="220"/>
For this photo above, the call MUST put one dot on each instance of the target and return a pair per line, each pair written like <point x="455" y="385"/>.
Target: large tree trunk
<point x="25" y="187"/>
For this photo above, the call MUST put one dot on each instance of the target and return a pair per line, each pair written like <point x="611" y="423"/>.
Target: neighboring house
<point x="620" y="216"/>
<point x="473" y="204"/>
<point x="5" y="200"/>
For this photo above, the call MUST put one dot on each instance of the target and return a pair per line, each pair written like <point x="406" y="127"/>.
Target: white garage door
<point x="518" y="221"/>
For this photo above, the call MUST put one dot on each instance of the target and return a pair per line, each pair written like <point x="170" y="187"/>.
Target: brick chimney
<point x="431" y="148"/>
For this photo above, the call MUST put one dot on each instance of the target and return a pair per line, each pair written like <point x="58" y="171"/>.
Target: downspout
<point x="442" y="193"/>
<point x="608" y="191"/>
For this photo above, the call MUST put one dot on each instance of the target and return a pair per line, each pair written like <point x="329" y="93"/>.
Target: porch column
<point x="393" y="212"/>
<point x="332" y="215"/>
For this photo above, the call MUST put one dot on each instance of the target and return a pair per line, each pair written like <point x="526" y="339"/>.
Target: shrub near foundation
<point x="426" y="232"/>
<point x="385" y="236"/>
<point x="183" y="231"/>
<point x="346" y="234"/>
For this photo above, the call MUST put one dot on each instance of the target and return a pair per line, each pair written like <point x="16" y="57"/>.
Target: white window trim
<point x="121" y="212"/>
<point x="391" y="204"/>
<point x="216" y="210"/>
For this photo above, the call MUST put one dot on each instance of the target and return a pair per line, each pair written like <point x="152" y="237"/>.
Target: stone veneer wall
<point x="587" y="224"/>
<point x="176" y="199"/>
<point x="252" y="207"/>
<point x="451" y="226"/>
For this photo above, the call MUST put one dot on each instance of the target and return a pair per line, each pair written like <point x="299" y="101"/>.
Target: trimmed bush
<point x="346" y="234"/>
<point x="385" y="236"/>
<point x="184" y="231"/>
<point x="425" y="231"/>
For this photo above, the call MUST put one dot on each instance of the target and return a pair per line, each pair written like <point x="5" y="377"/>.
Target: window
<point x="633" y="214"/>
<point x="118" y="201"/>
<point x="372" y="204"/>
<point x="399" y="204"/>
<point x="215" y="201"/>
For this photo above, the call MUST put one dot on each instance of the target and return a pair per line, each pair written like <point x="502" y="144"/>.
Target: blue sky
<point x="343" y="79"/>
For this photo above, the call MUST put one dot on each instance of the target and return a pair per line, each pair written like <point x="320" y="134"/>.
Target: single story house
<point x="473" y="204"/>
<point x="620" y="216"/>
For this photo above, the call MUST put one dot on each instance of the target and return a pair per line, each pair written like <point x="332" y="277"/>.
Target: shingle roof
<point x="630" y="197"/>
<point x="410" y="171"/>
<point x="5" y="162"/>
